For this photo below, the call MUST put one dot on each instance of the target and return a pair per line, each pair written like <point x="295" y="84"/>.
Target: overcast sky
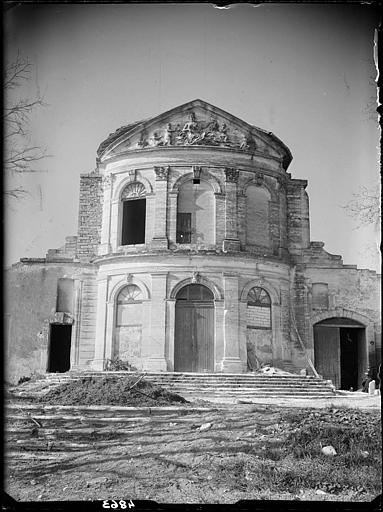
<point x="305" y="72"/>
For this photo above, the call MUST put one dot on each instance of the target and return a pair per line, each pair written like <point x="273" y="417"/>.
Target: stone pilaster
<point x="75" y="349"/>
<point x="154" y="350"/>
<point x="231" y="361"/>
<point x="160" y="240"/>
<point x="172" y="217"/>
<point x="99" y="353"/>
<point x="231" y="241"/>
<point x="105" y="247"/>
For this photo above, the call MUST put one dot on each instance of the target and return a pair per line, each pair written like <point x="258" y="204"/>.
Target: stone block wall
<point x="90" y="216"/>
<point x="298" y="231"/>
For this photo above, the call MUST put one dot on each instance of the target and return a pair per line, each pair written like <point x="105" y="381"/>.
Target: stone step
<point x="226" y="383"/>
<point x="196" y="384"/>
<point x="237" y="379"/>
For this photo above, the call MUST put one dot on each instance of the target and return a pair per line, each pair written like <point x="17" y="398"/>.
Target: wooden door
<point x="327" y="353"/>
<point x="194" y="337"/>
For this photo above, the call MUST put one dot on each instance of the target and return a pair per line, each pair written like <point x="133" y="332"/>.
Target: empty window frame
<point x="133" y="214"/>
<point x="196" y="214"/>
<point x="133" y="222"/>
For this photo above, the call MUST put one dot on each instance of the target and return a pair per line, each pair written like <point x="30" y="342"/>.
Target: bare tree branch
<point x="365" y="206"/>
<point x="20" y="155"/>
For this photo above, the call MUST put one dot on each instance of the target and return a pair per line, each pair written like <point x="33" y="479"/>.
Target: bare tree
<point x="20" y="156"/>
<point x="365" y="206"/>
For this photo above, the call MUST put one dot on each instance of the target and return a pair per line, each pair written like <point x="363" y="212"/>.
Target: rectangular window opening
<point x="133" y="222"/>
<point x="183" y="228"/>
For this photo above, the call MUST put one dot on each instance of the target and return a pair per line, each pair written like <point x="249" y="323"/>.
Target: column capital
<point x="231" y="175"/>
<point x="161" y="173"/>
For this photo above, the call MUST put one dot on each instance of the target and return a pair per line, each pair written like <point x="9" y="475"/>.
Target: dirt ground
<point x="248" y="452"/>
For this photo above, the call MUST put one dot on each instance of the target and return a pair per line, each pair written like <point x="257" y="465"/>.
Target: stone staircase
<point x="206" y="386"/>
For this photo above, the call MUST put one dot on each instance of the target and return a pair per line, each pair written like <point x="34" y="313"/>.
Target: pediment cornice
<point x="196" y="123"/>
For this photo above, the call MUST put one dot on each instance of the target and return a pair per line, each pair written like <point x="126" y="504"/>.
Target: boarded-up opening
<point x="194" y="330"/>
<point x="258" y="332"/>
<point x="320" y="296"/>
<point x="59" y="348"/>
<point x="133" y="222"/>
<point x="257" y="216"/>
<point x="128" y="326"/>
<point x="340" y="352"/>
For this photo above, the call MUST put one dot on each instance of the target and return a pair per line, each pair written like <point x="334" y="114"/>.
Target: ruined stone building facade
<point x="193" y="254"/>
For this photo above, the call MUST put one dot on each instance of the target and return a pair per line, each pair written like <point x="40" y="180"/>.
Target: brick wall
<point x="90" y="216"/>
<point x="258" y="317"/>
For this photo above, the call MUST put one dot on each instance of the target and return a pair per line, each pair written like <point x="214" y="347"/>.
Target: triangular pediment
<point x="196" y="123"/>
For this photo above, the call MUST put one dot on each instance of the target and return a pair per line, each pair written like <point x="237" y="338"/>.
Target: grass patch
<point x="296" y="462"/>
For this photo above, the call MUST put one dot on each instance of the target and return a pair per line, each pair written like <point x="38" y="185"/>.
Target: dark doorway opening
<point x="59" y="348"/>
<point x="349" y="358"/>
<point x="340" y="352"/>
<point x="133" y="222"/>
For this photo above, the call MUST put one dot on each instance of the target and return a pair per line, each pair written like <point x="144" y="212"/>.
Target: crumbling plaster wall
<point x="30" y="301"/>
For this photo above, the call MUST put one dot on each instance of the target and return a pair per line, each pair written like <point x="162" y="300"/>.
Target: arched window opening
<point x="195" y="292"/>
<point x="195" y="214"/>
<point x="133" y="214"/>
<point x="257" y="216"/>
<point x="128" y="333"/>
<point x="258" y="309"/>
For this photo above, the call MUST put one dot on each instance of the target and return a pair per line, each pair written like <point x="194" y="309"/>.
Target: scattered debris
<point x="205" y="426"/>
<point x="364" y="454"/>
<point x="328" y="450"/>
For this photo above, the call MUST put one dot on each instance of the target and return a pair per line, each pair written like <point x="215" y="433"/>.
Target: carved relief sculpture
<point x="259" y="178"/>
<point x="247" y="143"/>
<point x="168" y="137"/>
<point x="197" y="133"/>
<point x="197" y="172"/>
<point x="196" y="277"/>
<point x="161" y="173"/>
<point x="143" y="142"/>
<point x="156" y="140"/>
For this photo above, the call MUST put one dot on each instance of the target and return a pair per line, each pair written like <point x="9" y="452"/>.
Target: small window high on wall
<point x="64" y="303"/>
<point x="320" y="296"/>
<point x="133" y="214"/>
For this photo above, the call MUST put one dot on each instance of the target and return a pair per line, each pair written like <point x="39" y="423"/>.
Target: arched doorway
<point x="340" y="351"/>
<point x="194" y="329"/>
